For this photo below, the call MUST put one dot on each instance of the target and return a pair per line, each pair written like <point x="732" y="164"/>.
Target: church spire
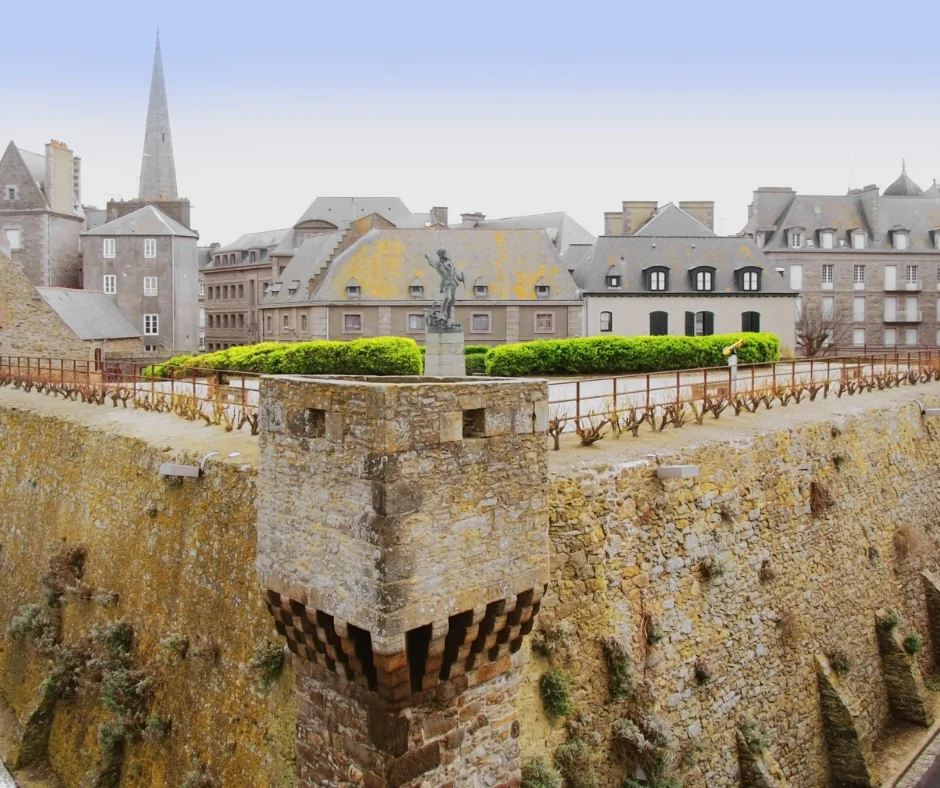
<point x="157" y="168"/>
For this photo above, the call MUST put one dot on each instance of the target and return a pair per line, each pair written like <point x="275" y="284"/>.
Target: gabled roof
<point x="308" y="262"/>
<point x="267" y="239"/>
<point x="89" y="314"/>
<point x="678" y="255"/>
<point x="671" y="221"/>
<point x="340" y="211"/>
<point x="563" y="230"/>
<point x="147" y="221"/>
<point x="385" y="262"/>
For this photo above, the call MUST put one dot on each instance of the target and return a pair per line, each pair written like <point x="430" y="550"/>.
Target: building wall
<point x="65" y="251"/>
<point x="631" y="316"/>
<point x="33" y="254"/>
<point x="844" y="261"/>
<point x="30" y="327"/>
<point x="220" y="302"/>
<point x="175" y="268"/>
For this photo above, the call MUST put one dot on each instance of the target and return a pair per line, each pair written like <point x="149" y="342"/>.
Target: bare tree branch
<point x="821" y="333"/>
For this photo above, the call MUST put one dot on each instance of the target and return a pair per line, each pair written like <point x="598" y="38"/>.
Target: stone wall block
<point x="907" y="694"/>
<point x="850" y="759"/>
<point x="758" y="770"/>
<point x="932" y="596"/>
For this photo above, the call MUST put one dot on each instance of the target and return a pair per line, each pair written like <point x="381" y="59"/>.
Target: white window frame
<point x="891" y="281"/>
<point x="108" y="248"/>
<point x="535" y="323"/>
<point x="858" y="277"/>
<point x="750" y="281"/>
<point x="704" y="282"/>
<point x="419" y="322"/>
<point x="858" y="309"/>
<point x="151" y="286"/>
<point x="481" y="291"/>
<point x="202" y="289"/>
<point x="859" y="240"/>
<point x="353" y="291"/>
<point x="151" y="325"/>
<point x="109" y="284"/>
<point x="858" y="337"/>
<point x="830" y="312"/>
<point x="901" y="242"/>
<point x="285" y="322"/>
<point x="796" y="277"/>
<point x="610" y="322"/>
<point x="910" y="274"/>
<point x="416" y="291"/>
<point x="828" y="276"/>
<point x="489" y="323"/>
<point x="798" y="308"/>
<point x="8" y="233"/>
<point x="346" y="317"/>
<point x="613" y="280"/>
<point x="827" y="239"/>
<point x="796" y="239"/>
<point x="909" y="335"/>
<point x="657" y="281"/>
<point x="890" y="308"/>
<point x="150" y="248"/>
<point x="543" y="291"/>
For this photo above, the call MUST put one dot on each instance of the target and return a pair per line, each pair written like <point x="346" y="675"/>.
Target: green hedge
<point x="377" y="356"/>
<point x="468" y="350"/>
<point x="476" y="363"/>
<point x="626" y="355"/>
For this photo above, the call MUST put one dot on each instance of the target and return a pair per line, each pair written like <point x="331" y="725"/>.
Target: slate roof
<point x="340" y="211"/>
<point x="307" y="263"/>
<point x="90" y="314"/>
<point x="672" y="221"/>
<point x="36" y="164"/>
<point x="631" y="255"/>
<point x="147" y="221"/>
<point x="385" y="263"/>
<point x="563" y="230"/>
<point x="266" y="239"/>
<point x="903" y="186"/>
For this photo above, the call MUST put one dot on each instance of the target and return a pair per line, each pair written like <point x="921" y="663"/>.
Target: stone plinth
<point x="444" y="353"/>
<point x="403" y="545"/>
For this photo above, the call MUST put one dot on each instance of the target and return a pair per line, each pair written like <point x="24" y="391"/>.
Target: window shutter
<point x="745" y="321"/>
<point x="659" y="324"/>
<point x="708" y="324"/>
<point x="690" y="324"/>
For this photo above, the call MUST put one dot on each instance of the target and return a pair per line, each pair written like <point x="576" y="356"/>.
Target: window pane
<point x="858" y="240"/>
<point x="415" y="322"/>
<point x="480" y="322"/>
<point x="858" y="274"/>
<point x="607" y="321"/>
<point x="545" y="322"/>
<point x="352" y="322"/>
<point x="858" y="309"/>
<point x="13" y="239"/>
<point x="827" y="273"/>
<point x="828" y="307"/>
<point x="891" y="277"/>
<point x="796" y="277"/>
<point x="891" y="337"/>
<point x="910" y="274"/>
<point x="858" y="336"/>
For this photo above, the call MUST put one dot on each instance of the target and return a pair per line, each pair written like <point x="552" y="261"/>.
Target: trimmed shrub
<point x="626" y="355"/>
<point x="374" y="356"/>
<point x="476" y="363"/>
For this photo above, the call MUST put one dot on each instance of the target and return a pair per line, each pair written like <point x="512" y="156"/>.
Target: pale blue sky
<point x="504" y="108"/>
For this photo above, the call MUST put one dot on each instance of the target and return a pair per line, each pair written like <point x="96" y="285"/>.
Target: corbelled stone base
<point x="850" y="760"/>
<point x="444" y="354"/>
<point x="462" y="733"/>
<point x="907" y="694"/>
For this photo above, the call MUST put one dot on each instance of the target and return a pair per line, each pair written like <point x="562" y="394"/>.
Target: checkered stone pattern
<point x="435" y="653"/>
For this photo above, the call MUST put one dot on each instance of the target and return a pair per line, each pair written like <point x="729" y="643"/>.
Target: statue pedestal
<point x="444" y="356"/>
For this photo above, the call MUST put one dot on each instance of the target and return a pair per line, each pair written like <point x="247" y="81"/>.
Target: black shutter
<point x="745" y="321"/>
<point x="659" y="324"/>
<point x="708" y="324"/>
<point x="690" y="324"/>
<point x="755" y="321"/>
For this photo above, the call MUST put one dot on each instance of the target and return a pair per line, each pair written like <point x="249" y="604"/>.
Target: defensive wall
<point x="773" y="575"/>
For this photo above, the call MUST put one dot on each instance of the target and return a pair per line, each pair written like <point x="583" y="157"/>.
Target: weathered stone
<point x="907" y="694"/>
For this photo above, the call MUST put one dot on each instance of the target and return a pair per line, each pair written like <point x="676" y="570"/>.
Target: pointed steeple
<point x="157" y="168"/>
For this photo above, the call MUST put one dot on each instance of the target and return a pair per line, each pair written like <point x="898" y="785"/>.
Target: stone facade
<point x="413" y="569"/>
<point x="39" y="207"/>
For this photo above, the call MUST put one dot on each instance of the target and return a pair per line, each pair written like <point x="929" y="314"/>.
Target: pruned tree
<point x="820" y="332"/>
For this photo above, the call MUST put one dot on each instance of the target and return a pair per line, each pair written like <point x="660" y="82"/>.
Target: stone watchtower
<point x="403" y="545"/>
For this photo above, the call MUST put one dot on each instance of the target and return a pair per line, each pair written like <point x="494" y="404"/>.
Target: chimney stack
<point x="471" y="219"/>
<point x="439" y="215"/>
<point x="636" y="213"/>
<point x="703" y="210"/>
<point x="77" y="178"/>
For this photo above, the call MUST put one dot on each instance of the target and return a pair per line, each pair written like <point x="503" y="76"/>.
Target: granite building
<point x="40" y="213"/>
<point x="868" y="262"/>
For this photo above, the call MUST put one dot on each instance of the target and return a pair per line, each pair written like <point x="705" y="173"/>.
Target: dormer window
<point x="480" y="291"/>
<point x="703" y="279"/>
<point x="416" y="289"/>
<point x="936" y="239"/>
<point x="12" y="192"/>
<point x="657" y="279"/>
<point x="859" y="240"/>
<point x="827" y="239"/>
<point x="613" y="280"/>
<point x="749" y="279"/>
<point x="353" y="290"/>
<point x="542" y="290"/>
<point x="796" y="239"/>
<point x="900" y="240"/>
<point x="252" y="256"/>
<point x="293" y="287"/>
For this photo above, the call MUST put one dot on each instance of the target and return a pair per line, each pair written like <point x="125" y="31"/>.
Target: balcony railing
<point x="905" y="317"/>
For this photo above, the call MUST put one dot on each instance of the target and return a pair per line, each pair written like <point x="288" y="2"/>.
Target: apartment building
<point x="866" y="263"/>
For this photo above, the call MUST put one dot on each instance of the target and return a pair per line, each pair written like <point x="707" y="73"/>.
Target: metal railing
<point x="227" y="399"/>
<point x="654" y="395"/>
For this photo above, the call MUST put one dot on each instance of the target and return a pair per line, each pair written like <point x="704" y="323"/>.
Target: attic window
<point x="749" y="279"/>
<point x="416" y="291"/>
<point x="703" y="279"/>
<point x="12" y="193"/>
<point x="613" y="280"/>
<point x="293" y="286"/>
<point x="858" y="240"/>
<point x="827" y="239"/>
<point x="353" y="291"/>
<point x="796" y="239"/>
<point x="542" y="291"/>
<point x="481" y="291"/>
<point x="657" y="279"/>
<point x="276" y="287"/>
<point x="900" y="240"/>
<point x="936" y="239"/>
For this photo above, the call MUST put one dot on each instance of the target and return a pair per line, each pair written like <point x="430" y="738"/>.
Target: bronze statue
<point x="441" y="314"/>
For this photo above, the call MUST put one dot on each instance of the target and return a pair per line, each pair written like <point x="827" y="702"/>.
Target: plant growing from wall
<point x="549" y="638"/>
<point x="755" y="741"/>
<point x="555" y="689"/>
<point x="839" y="661"/>
<point x="712" y="567"/>
<point x="913" y="644"/>
<point x="646" y="741"/>
<point x="173" y="648"/>
<point x="890" y="621"/>
<point x="158" y="727"/>
<point x="36" y="624"/>
<point x="267" y="662"/>
<point x="204" y="649"/>
<point x="702" y="671"/>
<point x="820" y="499"/>
<point x="652" y="631"/>
<point x="539" y="773"/>
<point x="790" y="628"/>
<point x="619" y="676"/>
<point x="577" y="759"/>
<point x="766" y="573"/>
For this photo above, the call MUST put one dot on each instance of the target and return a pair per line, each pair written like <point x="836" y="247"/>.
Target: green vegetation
<point x="538" y="773"/>
<point x="619" y="677"/>
<point x="913" y="644"/>
<point x="576" y="760"/>
<point x="555" y="689"/>
<point x="34" y="624"/>
<point x="891" y="620"/>
<point x="625" y="355"/>
<point x="754" y="740"/>
<point x="840" y="661"/>
<point x="378" y="356"/>
<point x="267" y="662"/>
